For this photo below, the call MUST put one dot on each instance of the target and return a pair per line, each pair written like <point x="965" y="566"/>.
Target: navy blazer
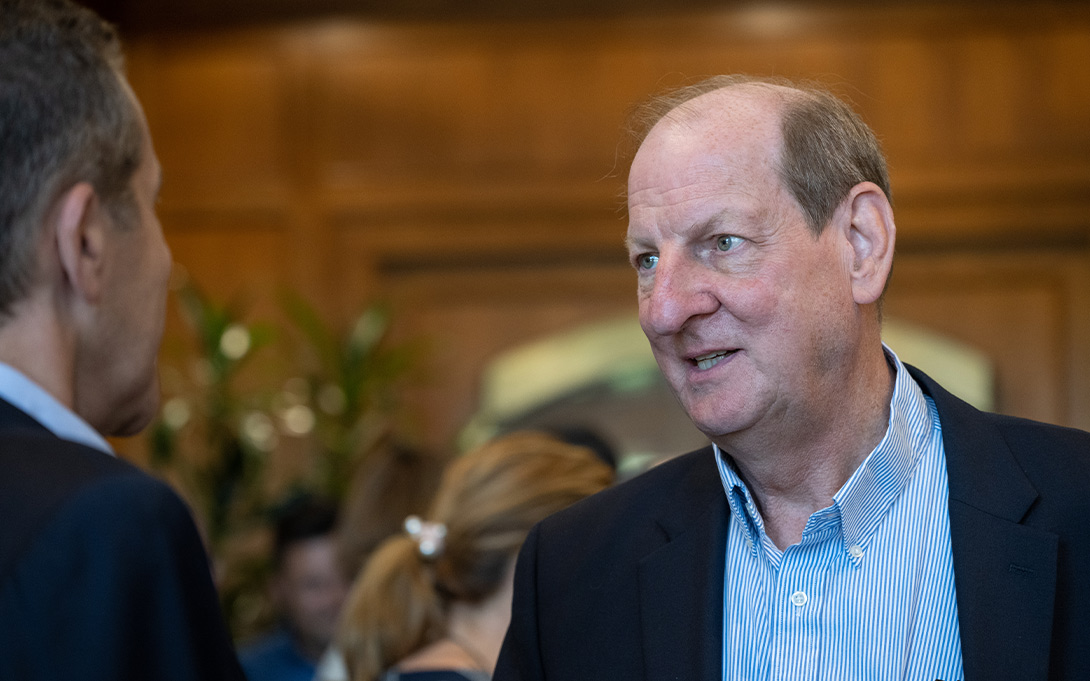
<point x="102" y="572"/>
<point x="628" y="584"/>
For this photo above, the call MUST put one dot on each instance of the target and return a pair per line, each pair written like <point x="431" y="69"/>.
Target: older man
<point x="852" y="519"/>
<point x="102" y="572"/>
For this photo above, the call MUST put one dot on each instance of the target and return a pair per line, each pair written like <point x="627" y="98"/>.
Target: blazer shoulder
<point x="104" y="575"/>
<point x="48" y="479"/>
<point x="1056" y="459"/>
<point x="1027" y="434"/>
<point x="1000" y="457"/>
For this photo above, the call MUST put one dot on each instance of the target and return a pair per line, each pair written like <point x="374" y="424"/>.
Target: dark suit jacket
<point x="628" y="584"/>
<point x="102" y="572"/>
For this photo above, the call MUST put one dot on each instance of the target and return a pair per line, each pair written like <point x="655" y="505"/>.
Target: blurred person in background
<point x="433" y="603"/>
<point x="307" y="588"/>
<point x="395" y="480"/>
<point x="589" y="437"/>
<point x="102" y="572"/>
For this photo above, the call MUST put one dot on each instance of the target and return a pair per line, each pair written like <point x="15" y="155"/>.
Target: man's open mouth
<point x="705" y="362"/>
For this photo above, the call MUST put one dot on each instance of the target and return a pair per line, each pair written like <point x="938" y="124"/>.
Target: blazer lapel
<point x="1004" y="572"/>
<point x="681" y="582"/>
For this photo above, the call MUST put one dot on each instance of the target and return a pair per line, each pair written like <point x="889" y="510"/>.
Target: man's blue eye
<point x="647" y="261"/>
<point x="725" y="243"/>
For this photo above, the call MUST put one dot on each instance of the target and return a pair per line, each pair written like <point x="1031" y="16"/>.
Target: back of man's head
<point x="66" y="116"/>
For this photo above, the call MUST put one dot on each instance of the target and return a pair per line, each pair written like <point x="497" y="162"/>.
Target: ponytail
<point x="391" y="611"/>
<point x="486" y="504"/>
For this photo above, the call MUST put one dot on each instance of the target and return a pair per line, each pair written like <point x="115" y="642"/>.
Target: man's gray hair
<point x="66" y="116"/>
<point x="827" y="148"/>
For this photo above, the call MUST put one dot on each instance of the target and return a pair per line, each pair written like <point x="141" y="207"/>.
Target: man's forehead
<point x="740" y="111"/>
<point x="719" y="136"/>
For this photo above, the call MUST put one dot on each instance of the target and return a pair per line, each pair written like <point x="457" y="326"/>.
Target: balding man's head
<point x="759" y="278"/>
<point x="825" y="149"/>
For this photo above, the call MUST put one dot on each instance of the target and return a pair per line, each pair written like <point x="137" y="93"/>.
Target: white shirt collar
<point x="31" y="398"/>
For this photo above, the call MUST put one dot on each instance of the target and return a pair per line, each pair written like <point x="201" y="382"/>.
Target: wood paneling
<point x="1018" y="309"/>
<point x="215" y="111"/>
<point x="472" y="171"/>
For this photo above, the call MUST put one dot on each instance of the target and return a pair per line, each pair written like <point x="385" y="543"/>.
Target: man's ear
<point x="871" y="235"/>
<point x="79" y="229"/>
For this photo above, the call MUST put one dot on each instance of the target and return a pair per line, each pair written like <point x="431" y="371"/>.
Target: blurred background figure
<point x="394" y="481"/>
<point x="307" y="588"/>
<point x="585" y="436"/>
<point x="433" y="604"/>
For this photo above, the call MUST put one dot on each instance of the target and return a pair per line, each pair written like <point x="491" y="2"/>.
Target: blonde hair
<point x="488" y="500"/>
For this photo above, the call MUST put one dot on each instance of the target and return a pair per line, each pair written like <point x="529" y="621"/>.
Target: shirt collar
<point x="32" y="399"/>
<point x="868" y="494"/>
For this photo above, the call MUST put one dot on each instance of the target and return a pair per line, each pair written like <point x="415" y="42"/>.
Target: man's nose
<point x="679" y="293"/>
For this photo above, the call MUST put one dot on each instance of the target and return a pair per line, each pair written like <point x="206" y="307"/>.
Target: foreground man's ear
<point x="79" y="226"/>
<point x="871" y="234"/>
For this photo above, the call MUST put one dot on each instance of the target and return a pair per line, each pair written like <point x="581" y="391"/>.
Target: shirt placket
<point x="797" y="598"/>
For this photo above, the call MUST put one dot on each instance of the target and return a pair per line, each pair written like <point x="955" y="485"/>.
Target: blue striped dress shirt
<point x="868" y="593"/>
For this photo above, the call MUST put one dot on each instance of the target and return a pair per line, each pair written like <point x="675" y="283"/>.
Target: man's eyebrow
<point x="640" y="244"/>
<point x="637" y="244"/>
<point x="711" y="224"/>
<point x="729" y="219"/>
<point x="724" y="216"/>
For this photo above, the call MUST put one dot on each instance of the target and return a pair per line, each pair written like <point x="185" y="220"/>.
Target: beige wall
<point x="469" y="172"/>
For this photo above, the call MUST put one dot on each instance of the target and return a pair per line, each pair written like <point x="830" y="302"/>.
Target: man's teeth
<point x="705" y="362"/>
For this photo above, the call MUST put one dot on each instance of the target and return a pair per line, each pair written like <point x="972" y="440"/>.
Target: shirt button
<point x="798" y="599"/>
<point x="856" y="550"/>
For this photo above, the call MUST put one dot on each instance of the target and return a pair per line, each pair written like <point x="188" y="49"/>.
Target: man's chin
<point x="134" y="417"/>
<point x="715" y="423"/>
<point x="128" y="428"/>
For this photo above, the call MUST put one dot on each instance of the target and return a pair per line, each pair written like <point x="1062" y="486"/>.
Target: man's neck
<point x="38" y="346"/>
<point x="794" y="470"/>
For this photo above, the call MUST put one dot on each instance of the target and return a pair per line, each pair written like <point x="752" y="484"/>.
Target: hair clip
<point x="429" y="537"/>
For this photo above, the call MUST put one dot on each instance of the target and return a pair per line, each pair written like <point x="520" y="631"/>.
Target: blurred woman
<point x="433" y="604"/>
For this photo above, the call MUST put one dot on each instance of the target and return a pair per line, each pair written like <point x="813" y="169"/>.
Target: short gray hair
<point x="66" y="116"/>
<point x="827" y="148"/>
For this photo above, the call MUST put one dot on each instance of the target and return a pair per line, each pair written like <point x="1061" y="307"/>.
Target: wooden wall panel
<point x="1076" y="361"/>
<point x="472" y="171"/>
<point x="1065" y="82"/>
<point x="241" y="256"/>
<point x="468" y="316"/>
<point x="990" y="75"/>
<point x="906" y="94"/>
<point x="215" y="111"/>
<point x="1015" y="309"/>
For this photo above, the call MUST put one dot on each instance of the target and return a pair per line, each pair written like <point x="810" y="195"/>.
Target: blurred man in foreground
<point x="852" y="518"/>
<point x="102" y="572"/>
